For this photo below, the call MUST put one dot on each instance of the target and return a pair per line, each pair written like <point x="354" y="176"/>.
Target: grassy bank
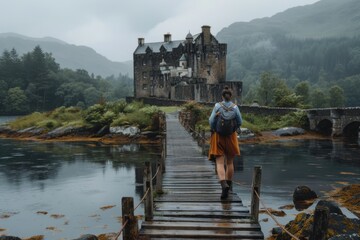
<point x="117" y="113"/>
<point x="255" y="123"/>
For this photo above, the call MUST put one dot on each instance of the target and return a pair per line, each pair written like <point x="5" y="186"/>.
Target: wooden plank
<point x="201" y="219"/>
<point x="224" y="234"/>
<point x="219" y="205"/>
<point x="201" y="226"/>
<point x="210" y="214"/>
<point x="201" y="208"/>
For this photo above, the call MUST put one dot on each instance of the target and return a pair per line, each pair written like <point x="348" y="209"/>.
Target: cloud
<point x="112" y="27"/>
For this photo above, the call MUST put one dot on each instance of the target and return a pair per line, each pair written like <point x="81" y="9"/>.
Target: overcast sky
<point x="111" y="27"/>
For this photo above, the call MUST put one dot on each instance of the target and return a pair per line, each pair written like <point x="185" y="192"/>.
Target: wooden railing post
<point x="130" y="231"/>
<point x="321" y="222"/>
<point x="159" y="177"/>
<point x="148" y="203"/>
<point x="203" y="141"/>
<point x="256" y="183"/>
<point x="163" y="154"/>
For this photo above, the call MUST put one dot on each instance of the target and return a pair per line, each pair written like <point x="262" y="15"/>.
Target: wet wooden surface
<point x="190" y="207"/>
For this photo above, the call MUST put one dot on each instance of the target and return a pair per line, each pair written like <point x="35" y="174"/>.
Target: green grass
<point x="170" y="109"/>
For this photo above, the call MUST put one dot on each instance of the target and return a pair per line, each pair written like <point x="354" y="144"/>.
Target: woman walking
<point x="224" y="120"/>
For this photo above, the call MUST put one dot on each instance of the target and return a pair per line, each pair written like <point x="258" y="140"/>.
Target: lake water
<point x="321" y="165"/>
<point x="73" y="181"/>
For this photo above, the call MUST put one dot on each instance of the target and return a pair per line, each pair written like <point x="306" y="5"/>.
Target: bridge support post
<point x="130" y="231"/>
<point x="148" y="203"/>
<point x="255" y="196"/>
<point x="336" y="122"/>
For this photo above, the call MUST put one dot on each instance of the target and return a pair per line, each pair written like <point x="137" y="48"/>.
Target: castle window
<point x="145" y="86"/>
<point x="209" y="69"/>
<point x="144" y="62"/>
<point x="144" y="74"/>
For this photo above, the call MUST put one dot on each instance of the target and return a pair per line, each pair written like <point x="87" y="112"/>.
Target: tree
<point x="16" y="101"/>
<point x="319" y="99"/>
<point x="268" y="83"/>
<point x="336" y="96"/>
<point x="92" y="96"/>
<point x="351" y="86"/>
<point x="302" y="89"/>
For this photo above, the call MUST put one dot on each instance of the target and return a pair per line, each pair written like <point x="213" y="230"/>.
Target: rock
<point x="103" y="131"/>
<point x="245" y="133"/>
<point x="150" y="134"/>
<point x="289" y="131"/>
<point x="6" y="130"/>
<point x="303" y="193"/>
<point x="276" y="230"/>
<point x="60" y="131"/>
<point x="338" y="224"/>
<point x="332" y="206"/>
<point x="303" y="197"/>
<point x="346" y="237"/>
<point x="31" y="131"/>
<point x="87" y="237"/>
<point x="9" y="238"/>
<point x="128" y="131"/>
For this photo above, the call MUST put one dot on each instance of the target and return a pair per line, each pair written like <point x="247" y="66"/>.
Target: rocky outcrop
<point x="9" y="238"/>
<point x="346" y="237"/>
<point x="302" y="226"/>
<point x="349" y="197"/>
<point x="87" y="237"/>
<point x="127" y="131"/>
<point x="332" y="206"/>
<point x="289" y="131"/>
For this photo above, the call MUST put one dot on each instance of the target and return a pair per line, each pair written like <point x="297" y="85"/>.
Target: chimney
<point x="206" y="34"/>
<point x="167" y="37"/>
<point x="141" y="41"/>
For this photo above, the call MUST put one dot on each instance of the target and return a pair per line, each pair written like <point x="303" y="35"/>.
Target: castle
<point x="190" y="69"/>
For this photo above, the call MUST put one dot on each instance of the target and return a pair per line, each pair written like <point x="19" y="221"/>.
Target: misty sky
<point x="111" y="27"/>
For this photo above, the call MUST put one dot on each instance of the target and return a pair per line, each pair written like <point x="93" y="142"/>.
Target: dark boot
<point x="225" y="189"/>
<point x="229" y="182"/>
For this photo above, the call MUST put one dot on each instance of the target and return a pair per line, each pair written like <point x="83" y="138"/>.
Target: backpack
<point x="225" y="120"/>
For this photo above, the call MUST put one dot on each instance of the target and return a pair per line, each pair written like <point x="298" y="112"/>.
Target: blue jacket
<point x="216" y="109"/>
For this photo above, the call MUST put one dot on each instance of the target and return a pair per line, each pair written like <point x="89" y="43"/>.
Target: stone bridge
<point x="335" y="121"/>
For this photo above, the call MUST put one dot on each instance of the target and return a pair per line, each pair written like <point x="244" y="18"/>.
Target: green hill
<point x="318" y="43"/>
<point x="67" y="55"/>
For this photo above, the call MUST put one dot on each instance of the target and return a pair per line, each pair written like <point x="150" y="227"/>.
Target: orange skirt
<point x="220" y="145"/>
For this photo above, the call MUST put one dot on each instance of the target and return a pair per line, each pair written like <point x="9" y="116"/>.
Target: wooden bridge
<point x="190" y="207"/>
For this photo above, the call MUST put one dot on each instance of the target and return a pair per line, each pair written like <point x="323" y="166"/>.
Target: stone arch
<point x="324" y="127"/>
<point x="351" y="129"/>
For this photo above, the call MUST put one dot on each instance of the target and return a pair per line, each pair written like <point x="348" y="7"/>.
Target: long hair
<point x="226" y="93"/>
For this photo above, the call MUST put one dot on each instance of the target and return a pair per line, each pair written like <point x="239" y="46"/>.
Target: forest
<point x="278" y="70"/>
<point x="35" y="82"/>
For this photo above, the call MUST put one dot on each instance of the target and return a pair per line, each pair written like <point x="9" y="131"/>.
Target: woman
<point x="224" y="146"/>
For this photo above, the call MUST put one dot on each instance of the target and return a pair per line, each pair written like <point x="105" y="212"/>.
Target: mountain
<point x="326" y="18"/>
<point x="317" y="43"/>
<point x="67" y="55"/>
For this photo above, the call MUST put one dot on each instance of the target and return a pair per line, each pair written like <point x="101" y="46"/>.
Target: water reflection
<point x="36" y="161"/>
<point x="70" y="179"/>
